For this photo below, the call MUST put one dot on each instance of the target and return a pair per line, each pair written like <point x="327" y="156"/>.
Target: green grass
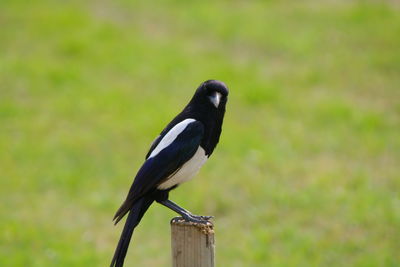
<point x="307" y="170"/>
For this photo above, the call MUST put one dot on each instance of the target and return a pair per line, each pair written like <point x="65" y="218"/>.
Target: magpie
<point x="175" y="156"/>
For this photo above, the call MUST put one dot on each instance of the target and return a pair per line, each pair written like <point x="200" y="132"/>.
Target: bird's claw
<point x="207" y="218"/>
<point x="197" y="218"/>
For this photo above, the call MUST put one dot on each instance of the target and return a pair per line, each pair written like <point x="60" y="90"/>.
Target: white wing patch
<point x="171" y="136"/>
<point x="187" y="171"/>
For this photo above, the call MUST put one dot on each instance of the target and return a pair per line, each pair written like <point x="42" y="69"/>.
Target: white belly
<point x="187" y="171"/>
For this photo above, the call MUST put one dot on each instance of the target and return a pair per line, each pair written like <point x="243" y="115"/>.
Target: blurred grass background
<point x="307" y="170"/>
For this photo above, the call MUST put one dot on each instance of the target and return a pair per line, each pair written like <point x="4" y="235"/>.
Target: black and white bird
<point x="175" y="156"/>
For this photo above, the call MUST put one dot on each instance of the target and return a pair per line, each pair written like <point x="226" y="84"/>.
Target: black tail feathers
<point x="135" y="215"/>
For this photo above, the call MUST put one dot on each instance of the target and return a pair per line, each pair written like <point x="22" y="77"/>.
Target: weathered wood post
<point x="192" y="243"/>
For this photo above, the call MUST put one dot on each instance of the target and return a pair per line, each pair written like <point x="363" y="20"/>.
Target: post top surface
<point x="206" y="228"/>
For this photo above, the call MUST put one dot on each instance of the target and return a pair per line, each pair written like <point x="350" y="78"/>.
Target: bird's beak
<point x="215" y="98"/>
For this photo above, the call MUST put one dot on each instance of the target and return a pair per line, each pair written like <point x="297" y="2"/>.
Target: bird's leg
<point x="184" y="213"/>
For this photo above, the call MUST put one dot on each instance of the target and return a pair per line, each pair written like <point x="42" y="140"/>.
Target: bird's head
<point x="212" y="93"/>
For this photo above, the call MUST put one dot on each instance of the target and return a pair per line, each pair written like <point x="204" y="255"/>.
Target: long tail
<point x="135" y="215"/>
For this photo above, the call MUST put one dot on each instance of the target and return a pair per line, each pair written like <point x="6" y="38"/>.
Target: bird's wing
<point x="177" y="147"/>
<point x="153" y="145"/>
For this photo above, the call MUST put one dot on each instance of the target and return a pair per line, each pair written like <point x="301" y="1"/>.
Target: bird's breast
<point x="189" y="169"/>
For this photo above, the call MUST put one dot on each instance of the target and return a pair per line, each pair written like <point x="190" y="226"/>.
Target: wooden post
<point x="192" y="243"/>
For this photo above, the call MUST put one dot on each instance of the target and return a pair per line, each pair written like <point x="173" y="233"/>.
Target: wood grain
<point x="192" y="244"/>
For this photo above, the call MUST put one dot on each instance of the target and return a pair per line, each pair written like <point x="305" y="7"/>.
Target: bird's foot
<point x="197" y="218"/>
<point x="200" y="217"/>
